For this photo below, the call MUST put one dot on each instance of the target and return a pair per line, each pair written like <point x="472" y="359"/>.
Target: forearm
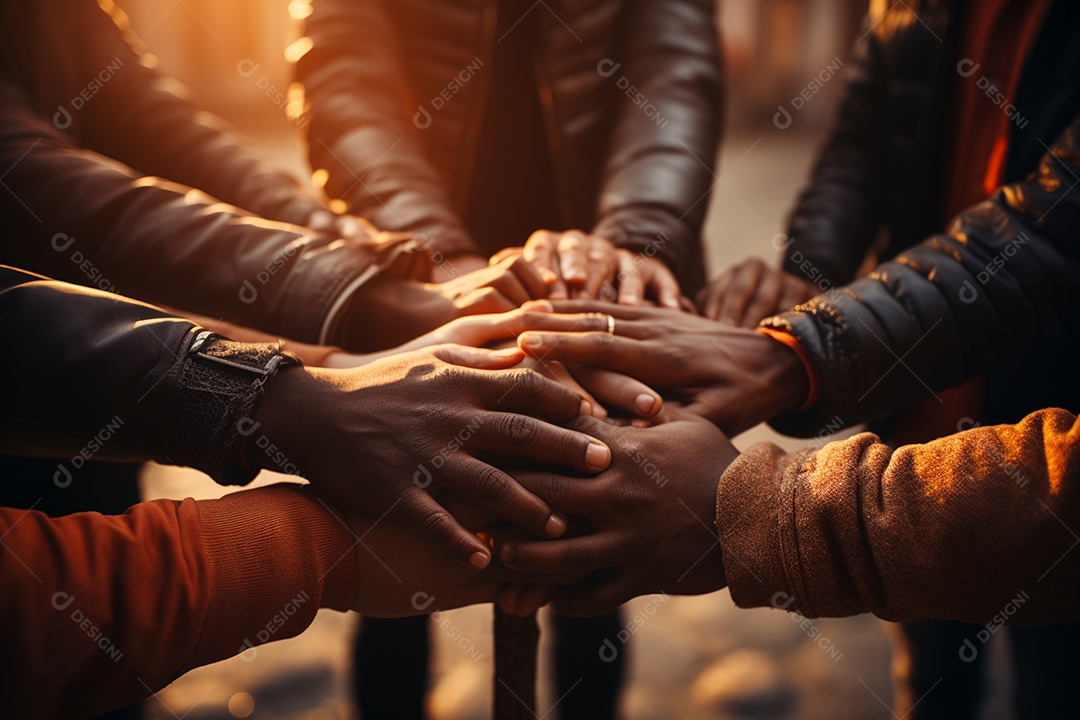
<point x="360" y="131"/>
<point x="141" y="118"/>
<point x="958" y="528"/>
<point x="660" y="169"/>
<point x="1005" y="278"/>
<point x="102" y="610"/>
<point x="80" y="217"/>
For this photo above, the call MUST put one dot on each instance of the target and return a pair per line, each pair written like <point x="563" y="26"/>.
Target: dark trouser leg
<point x="930" y="678"/>
<point x="596" y="684"/>
<point x="1046" y="663"/>
<point x="390" y="667"/>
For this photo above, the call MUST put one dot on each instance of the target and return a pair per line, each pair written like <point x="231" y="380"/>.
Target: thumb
<point x="479" y="358"/>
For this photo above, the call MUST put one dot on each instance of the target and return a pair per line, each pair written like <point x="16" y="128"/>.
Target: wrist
<point x="793" y="378"/>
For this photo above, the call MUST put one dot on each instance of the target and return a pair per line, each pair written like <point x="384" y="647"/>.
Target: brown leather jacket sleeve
<point x="78" y="216"/>
<point x="980" y="526"/>
<point x="359" y="128"/>
<point x="84" y="69"/>
<point x="1004" y="278"/>
<point x="660" y="169"/>
<point x="103" y="610"/>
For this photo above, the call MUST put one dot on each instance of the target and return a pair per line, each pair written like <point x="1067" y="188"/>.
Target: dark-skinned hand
<point x="732" y="376"/>
<point x="377" y="438"/>
<point x="651" y="516"/>
<point x="751" y="291"/>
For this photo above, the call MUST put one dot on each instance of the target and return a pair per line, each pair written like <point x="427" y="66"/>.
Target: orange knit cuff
<point x="792" y="342"/>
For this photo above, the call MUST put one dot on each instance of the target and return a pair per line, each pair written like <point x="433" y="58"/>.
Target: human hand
<point x="376" y="438"/>
<point x="735" y="377"/>
<point x="401" y="574"/>
<point x="600" y="388"/>
<point x="651" y="517"/>
<point x="452" y="268"/>
<point x="387" y="312"/>
<point x="752" y="291"/>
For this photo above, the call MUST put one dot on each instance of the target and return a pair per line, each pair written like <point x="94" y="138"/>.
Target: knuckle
<point x="577" y="557"/>
<point x="436" y="522"/>
<point x="528" y="382"/>
<point x="516" y="429"/>
<point x="491" y="484"/>
<point x="551" y="487"/>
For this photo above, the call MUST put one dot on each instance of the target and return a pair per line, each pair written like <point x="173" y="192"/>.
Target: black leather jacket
<point x="395" y="90"/>
<point x="87" y="132"/>
<point x="1000" y="290"/>
<point x="114" y="379"/>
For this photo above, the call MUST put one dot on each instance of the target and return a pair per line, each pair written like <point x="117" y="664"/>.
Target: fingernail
<point x="532" y="342"/>
<point x="479" y="560"/>
<point x="597" y="457"/>
<point x="539" y="306"/>
<point x="507" y="554"/>
<point x="644" y="404"/>
<point x="549" y="277"/>
<point x="586" y="408"/>
<point x="556" y="525"/>
<point x="508" y="352"/>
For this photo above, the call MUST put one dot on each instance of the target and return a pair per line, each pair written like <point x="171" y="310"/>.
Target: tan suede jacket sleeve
<point x="981" y="526"/>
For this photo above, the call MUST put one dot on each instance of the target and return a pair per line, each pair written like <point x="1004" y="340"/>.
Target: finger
<point x="743" y="287"/>
<point x="508" y="598"/>
<point x="521" y="436"/>
<point x="540" y="250"/>
<point x="594" y="348"/>
<point x="533" y="598"/>
<point x="527" y="391"/>
<point x="619" y="391"/>
<point x="765" y="299"/>
<point x="505" y="253"/>
<point x="559" y="373"/>
<point x="484" y="301"/>
<point x="421" y="511"/>
<point x="587" y="553"/>
<point x="631" y="284"/>
<point x="570" y="496"/>
<point x="597" y="596"/>
<point x="602" y="263"/>
<point x="478" y="358"/>
<point x="510" y="285"/>
<point x="494" y="490"/>
<point x="664" y="286"/>
<point x="712" y="296"/>
<point x="557" y="289"/>
<point x="529" y="277"/>
<point x="572" y="258"/>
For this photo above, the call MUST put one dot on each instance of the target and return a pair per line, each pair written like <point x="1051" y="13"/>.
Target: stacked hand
<point x="734" y="377"/>
<point x="574" y="264"/>
<point x="376" y="440"/>
<point x="752" y="291"/>
<point x="650" y="519"/>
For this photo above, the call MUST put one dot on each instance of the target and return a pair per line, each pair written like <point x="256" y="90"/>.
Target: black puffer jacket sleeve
<point x="1005" y="277"/>
<point x="359" y="129"/>
<point x="823" y="245"/>
<point x="659" y="171"/>
<point x="78" y="216"/>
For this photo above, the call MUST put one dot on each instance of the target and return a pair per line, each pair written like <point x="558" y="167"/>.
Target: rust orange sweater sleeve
<point x="102" y="610"/>
<point x="980" y="526"/>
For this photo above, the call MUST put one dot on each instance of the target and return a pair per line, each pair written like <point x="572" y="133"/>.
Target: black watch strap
<point x="220" y="382"/>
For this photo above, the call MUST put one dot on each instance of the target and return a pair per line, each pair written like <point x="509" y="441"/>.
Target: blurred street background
<point x="691" y="658"/>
